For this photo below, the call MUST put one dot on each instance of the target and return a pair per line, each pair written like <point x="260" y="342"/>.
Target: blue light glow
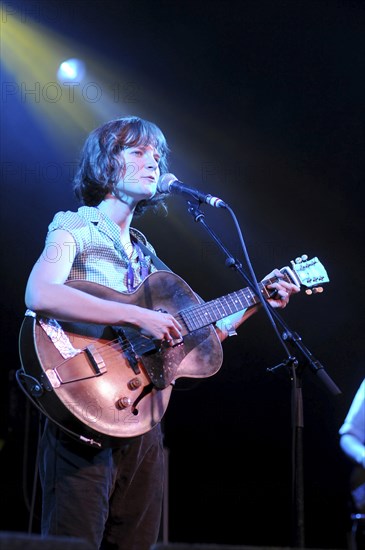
<point x="71" y="70"/>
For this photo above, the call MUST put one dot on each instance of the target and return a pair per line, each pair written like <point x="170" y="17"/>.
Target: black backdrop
<point x="263" y="105"/>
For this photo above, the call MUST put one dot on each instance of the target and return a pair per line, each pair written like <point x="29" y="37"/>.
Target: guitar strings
<point x="192" y="318"/>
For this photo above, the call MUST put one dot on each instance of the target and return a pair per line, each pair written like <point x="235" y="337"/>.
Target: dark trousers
<point x="109" y="497"/>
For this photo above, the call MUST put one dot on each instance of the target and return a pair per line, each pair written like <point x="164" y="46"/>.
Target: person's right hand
<point x="160" y="325"/>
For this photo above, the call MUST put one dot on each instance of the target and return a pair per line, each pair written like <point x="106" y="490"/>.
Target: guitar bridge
<point x="96" y="360"/>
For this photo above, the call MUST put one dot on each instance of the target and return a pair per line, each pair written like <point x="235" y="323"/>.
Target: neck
<point x="121" y="213"/>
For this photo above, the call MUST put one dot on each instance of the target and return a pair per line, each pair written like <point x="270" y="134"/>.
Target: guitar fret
<point x="204" y="317"/>
<point x="227" y="305"/>
<point x="191" y="318"/>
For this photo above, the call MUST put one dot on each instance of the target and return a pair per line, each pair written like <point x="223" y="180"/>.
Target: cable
<point x="255" y="283"/>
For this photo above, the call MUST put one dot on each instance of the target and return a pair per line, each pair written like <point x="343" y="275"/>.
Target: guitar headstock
<point x="308" y="273"/>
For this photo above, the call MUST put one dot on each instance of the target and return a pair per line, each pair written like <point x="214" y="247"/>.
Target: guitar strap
<point x="159" y="264"/>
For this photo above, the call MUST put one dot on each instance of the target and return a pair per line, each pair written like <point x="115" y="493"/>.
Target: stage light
<point x="71" y="70"/>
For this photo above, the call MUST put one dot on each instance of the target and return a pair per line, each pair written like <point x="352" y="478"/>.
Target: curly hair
<point x="101" y="164"/>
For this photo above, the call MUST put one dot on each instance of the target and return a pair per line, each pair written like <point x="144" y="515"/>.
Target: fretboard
<point x="201" y="315"/>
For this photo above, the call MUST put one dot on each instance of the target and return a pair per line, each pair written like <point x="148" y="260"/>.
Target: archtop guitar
<point x="103" y="383"/>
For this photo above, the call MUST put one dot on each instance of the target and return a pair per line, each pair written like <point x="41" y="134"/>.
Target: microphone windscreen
<point x="164" y="182"/>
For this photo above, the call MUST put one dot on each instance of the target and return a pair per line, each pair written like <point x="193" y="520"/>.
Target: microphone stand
<point x="295" y="372"/>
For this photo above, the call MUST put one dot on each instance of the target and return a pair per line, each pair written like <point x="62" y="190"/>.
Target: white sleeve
<point x="354" y="423"/>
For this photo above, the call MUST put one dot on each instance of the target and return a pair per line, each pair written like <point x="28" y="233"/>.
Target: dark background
<point x="262" y="103"/>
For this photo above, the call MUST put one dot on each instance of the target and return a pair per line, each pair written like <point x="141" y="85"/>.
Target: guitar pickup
<point x="128" y="350"/>
<point x="132" y="360"/>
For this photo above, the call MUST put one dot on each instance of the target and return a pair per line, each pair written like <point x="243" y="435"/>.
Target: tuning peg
<point x="316" y="290"/>
<point x="301" y="259"/>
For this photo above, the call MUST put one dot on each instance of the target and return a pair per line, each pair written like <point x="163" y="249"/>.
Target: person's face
<point x="140" y="177"/>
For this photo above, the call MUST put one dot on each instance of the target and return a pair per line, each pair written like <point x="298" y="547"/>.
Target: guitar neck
<point x="202" y="315"/>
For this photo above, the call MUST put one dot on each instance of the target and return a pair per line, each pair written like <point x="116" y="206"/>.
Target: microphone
<point x="168" y="183"/>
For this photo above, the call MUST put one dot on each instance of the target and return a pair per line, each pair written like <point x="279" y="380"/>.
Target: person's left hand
<point x="282" y="290"/>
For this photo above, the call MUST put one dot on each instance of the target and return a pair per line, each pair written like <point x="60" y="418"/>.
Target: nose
<point x="151" y="161"/>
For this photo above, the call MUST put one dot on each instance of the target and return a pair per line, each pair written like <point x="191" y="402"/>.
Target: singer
<point x="109" y="496"/>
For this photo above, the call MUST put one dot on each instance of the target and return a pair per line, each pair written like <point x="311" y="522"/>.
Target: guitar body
<point x="118" y="383"/>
